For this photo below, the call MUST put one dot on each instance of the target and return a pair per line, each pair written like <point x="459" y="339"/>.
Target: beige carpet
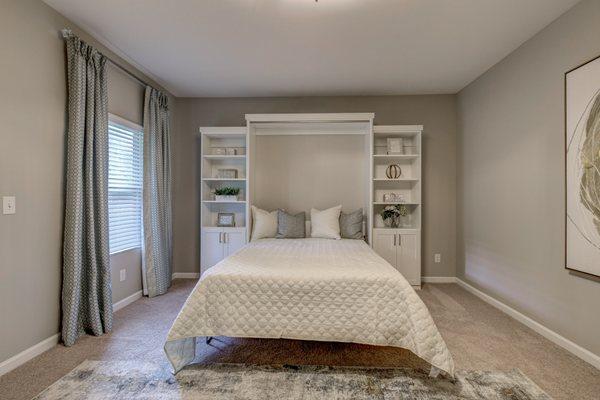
<point x="479" y="337"/>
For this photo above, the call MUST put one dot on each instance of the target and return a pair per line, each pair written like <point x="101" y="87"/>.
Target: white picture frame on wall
<point x="582" y="168"/>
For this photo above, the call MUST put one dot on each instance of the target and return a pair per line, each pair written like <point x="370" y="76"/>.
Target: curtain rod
<point x="67" y="33"/>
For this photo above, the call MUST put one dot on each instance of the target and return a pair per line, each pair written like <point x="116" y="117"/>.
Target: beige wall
<point x="125" y="95"/>
<point x="131" y="262"/>
<point x="32" y="111"/>
<point x="511" y="180"/>
<point x="125" y="99"/>
<point x="297" y="173"/>
<point x="437" y="113"/>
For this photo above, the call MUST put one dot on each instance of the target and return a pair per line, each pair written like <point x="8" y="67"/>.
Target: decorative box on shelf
<point x="228" y="151"/>
<point x="226" y="197"/>
<point x="227" y="173"/>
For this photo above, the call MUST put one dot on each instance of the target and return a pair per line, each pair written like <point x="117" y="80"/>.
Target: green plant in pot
<point x="226" y="193"/>
<point x="394" y="214"/>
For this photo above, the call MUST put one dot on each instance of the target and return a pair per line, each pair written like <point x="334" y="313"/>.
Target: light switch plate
<point x="9" y="205"/>
<point x="437" y="258"/>
<point x="122" y="275"/>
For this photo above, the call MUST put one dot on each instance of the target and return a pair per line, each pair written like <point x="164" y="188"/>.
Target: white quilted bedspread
<point x="309" y="289"/>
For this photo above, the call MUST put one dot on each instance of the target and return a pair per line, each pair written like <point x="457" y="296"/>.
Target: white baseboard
<point x="186" y="275"/>
<point x="549" y="334"/>
<point x="438" y="279"/>
<point x="46" y="344"/>
<point x="28" y="354"/>
<point x="127" y="301"/>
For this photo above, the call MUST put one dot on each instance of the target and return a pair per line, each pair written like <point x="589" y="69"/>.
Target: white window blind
<point x="125" y="155"/>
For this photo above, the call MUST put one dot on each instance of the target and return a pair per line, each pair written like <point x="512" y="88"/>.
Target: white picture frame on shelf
<point x="393" y="198"/>
<point x="226" y="220"/>
<point x="395" y="146"/>
<point x="227" y="173"/>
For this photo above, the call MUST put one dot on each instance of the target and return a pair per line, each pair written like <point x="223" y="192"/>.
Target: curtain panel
<point x="157" y="254"/>
<point x="86" y="289"/>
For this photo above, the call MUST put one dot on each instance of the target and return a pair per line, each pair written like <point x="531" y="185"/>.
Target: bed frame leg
<point x="208" y="339"/>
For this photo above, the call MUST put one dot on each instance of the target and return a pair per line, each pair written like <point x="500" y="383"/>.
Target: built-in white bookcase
<point x="223" y="148"/>
<point x="409" y="182"/>
<point x="401" y="246"/>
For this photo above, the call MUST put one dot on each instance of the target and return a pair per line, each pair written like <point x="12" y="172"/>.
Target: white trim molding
<point x="438" y="279"/>
<point x="308" y="117"/>
<point x="127" y="301"/>
<point x="48" y="343"/>
<point x="129" y="124"/>
<point x="27" y="354"/>
<point x="549" y="334"/>
<point x="186" y="275"/>
<point x="397" y="128"/>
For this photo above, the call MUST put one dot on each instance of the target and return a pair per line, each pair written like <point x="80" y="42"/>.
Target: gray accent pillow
<point x="351" y="225"/>
<point x="290" y="226"/>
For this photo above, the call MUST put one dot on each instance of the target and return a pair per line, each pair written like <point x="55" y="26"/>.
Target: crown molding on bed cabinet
<point x="310" y="124"/>
<point x="307" y="117"/>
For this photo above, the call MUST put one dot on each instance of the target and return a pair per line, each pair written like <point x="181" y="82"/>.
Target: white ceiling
<point x="208" y="48"/>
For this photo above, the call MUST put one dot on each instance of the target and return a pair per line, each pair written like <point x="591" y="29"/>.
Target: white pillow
<point x="326" y="223"/>
<point x="264" y="223"/>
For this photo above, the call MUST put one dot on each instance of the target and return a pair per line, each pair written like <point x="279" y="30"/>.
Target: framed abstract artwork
<point x="582" y="147"/>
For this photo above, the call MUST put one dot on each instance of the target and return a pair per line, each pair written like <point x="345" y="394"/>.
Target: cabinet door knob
<point x="394" y="239"/>
<point x="220" y="237"/>
<point x="224" y="237"/>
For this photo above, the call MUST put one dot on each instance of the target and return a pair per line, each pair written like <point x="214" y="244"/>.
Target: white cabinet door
<point x="212" y="248"/>
<point x="234" y="240"/>
<point x="384" y="245"/>
<point x="408" y="258"/>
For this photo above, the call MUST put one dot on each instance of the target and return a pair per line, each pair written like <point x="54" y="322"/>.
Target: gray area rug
<point x="135" y="380"/>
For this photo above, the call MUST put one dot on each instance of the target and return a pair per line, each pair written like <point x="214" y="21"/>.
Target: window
<point x="125" y="155"/>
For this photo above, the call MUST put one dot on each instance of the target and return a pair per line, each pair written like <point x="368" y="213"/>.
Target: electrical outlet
<point x="122" y="275"/>
<point x="437" y="258"/>
<point x="9" y="205"/>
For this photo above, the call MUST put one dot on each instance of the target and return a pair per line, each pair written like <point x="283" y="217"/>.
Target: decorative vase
<point x="393" y="171"/>
<point x="403" y="221"/>
<point x="225" y="198"/>
<point x="391" y="222"/>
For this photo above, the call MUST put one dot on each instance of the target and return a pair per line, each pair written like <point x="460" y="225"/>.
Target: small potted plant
<point x="226" y="194"/>
<point x="393" y="215"/>
<point x="390" y="216"/>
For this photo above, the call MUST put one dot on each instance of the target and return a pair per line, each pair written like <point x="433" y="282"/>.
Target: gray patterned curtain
<point x="86" y="290"/>
<point x="157" y="254"/>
